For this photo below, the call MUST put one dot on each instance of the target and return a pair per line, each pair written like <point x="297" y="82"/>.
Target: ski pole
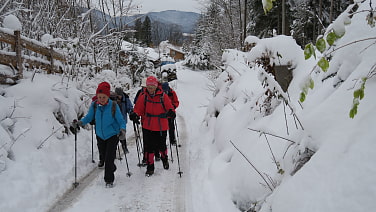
<point x="119" y="158"/>
<point x="138" y="150"/>
<point x="141" y="143"/>
<point x="139" y="137"/>
<point x="172" y="158"/>
<point x="75" y="184"/>
<point x="92" y="144"/>
<point x="126" y="160"/>
<point x="177" y="133"/>
<point x="177" y="155"/>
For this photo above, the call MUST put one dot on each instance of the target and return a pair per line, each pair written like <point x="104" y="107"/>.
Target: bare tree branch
<point x="267" y="183"/>
<point x="41" y="144"/>
<point x="277" y="136"/>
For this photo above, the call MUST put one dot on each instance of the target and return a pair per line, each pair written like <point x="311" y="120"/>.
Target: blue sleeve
<point x="89" y="116"/>
<point x="129" y="105"/>
<point x="120" y="119"/>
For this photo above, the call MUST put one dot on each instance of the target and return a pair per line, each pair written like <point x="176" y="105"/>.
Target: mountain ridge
<point x="186" y="20"/>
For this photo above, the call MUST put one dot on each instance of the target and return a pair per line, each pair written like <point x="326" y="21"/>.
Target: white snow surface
<point x="227" y="164"/>
<point x="12" y="22"/>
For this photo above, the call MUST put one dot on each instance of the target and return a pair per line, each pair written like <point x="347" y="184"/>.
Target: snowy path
<point x="164" y="191"/>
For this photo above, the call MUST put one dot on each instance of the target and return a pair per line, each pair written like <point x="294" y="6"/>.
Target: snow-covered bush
<point x="198" y="60"/>
<point x="276" y="161"/>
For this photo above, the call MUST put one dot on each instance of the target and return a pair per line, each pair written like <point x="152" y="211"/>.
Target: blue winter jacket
<point x="106" y="125"/>
<point x="125" y="106"/>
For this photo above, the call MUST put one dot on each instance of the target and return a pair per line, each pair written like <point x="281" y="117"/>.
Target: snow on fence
<point x="16" y="58"/>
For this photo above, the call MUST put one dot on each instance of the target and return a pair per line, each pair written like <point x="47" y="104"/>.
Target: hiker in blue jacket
<point x="126" y="107"/>
<point x="109" y="128"/>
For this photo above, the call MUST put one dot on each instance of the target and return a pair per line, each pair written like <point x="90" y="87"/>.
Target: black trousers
<point x="107" y="153"/>
<point x="154" y="141"/>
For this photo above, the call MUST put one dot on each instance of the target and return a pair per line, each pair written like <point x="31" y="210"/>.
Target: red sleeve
<point x="167" y="102"/>
<point x="175" y="100"/>
<point x="139" y="107"/>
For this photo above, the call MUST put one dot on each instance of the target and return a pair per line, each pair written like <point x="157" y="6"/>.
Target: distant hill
<point x="186" y="20"/>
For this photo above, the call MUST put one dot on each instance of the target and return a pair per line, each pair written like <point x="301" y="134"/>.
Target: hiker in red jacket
<point x="175" y="102"/>
<point x="154" y="107"/>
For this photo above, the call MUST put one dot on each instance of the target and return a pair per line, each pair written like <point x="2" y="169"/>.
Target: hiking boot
<point x="101" y="164"/>
<point x="143" y="163"/>
<point x="173" y="142"/>
<point x="157" y="157"/>
<point x="109" y="184"/>
<point x="165" y="163"/>
<point x="149" y="170"/>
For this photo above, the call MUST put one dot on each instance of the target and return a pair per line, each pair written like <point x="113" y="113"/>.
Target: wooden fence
<point x="17" y="59"/>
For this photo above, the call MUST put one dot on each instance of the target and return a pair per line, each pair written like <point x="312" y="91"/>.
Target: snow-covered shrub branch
<point x="271" y="187"/>
<point x="331" y="46"/>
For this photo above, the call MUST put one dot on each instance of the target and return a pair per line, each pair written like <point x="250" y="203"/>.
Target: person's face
<point x="102" y="98"/>
<point x="151" y="89"/>
<point x="118" y="98"/>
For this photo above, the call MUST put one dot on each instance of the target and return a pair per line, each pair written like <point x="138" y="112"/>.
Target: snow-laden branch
<point x="6" y="3"/>
<point x="271" y="81"/>
<point x="277" y="136"/>
<point x="253" y="166"/>
<point x="41" y="144"/>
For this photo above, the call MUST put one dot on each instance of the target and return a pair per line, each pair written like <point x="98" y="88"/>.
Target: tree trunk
<point x="331" y="11"/>
<point x="245" y="21"/>
<point x="283" y="17"/>
<point x="17" y="49"/>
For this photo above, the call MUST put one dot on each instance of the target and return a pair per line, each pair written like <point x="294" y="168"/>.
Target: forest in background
<point x="225" y="24"/>
<point x="91" y="32"/>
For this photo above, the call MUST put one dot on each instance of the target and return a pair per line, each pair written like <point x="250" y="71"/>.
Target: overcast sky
<point x="162" y="5"/>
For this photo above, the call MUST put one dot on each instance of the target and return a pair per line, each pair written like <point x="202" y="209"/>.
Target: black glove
<point x="171" y="114"/>
<point x="134" y="117"/>
<point x="75" y="126"/>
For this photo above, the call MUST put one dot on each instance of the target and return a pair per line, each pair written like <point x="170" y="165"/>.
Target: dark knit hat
<point x="104" y="87"/>
<point x="119" y="91"/>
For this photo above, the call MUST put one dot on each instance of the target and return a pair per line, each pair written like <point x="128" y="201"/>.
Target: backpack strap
<point x="160" y="101"/>
<point x="113" y="108"/>
<point x="113" y="111"/>
<point x="125" y="95"/>
<point x="159" y="116"/>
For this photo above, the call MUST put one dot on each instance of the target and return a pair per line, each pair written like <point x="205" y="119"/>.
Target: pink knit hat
<point x="151" y="80"/>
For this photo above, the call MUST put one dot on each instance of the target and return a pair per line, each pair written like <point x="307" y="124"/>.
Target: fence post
<point x="17" y="49"/>
<point x="51" y="59"/>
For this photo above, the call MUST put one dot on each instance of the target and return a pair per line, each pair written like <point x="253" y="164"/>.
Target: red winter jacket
<point x="174" y="98"/>
<point x="153" y="111"/>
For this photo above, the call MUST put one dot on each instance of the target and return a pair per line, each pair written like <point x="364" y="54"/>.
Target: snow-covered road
<point x="165" y="190"/>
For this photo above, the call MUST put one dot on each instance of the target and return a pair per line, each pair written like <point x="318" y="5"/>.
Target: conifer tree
<point x="146" y="31"/>
<point x="138" y="30"/>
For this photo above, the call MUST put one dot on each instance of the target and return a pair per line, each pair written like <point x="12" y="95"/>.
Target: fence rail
<point x="17" y="59"/>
